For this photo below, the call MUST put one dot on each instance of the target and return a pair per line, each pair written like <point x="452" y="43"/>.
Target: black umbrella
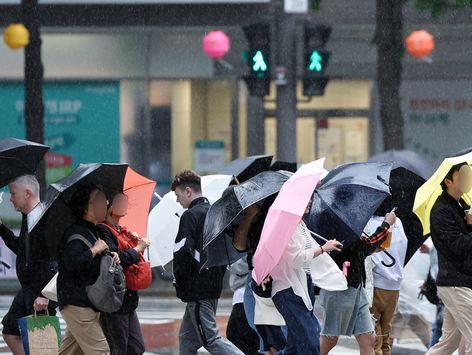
<point x="245" y="168"/>
<point x="225" y="213"/>
<point x="283" y="165"/>
<point x="56" y="215"/>
<point x="347" y="198"/>
<point x="19" y="157"/>
<point x="403" y="186"/>
<point x="407" y="159"/>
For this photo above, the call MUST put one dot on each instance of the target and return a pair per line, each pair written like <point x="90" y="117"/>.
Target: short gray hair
<point x="29" y="182"/>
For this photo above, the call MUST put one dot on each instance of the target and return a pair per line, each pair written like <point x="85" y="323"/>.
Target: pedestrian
<point x="293" y="291"/>
<point x="246" y="239"/>
<point x="79" y="267"/>
<point x="238" y="330"/>
<point x="199" y="288"/>
<point x="347" y="312"/>
<point x="34" y="265"/>
<point x="122" y="328"/>
<point x="387" y="280"/>
<point x="451" y="234"/>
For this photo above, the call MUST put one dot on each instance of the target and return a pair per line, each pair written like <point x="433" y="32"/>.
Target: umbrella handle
<point x="391" y="257"/>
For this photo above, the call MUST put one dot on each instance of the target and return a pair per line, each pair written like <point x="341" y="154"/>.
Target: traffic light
<point x="258" y="59"/>
<point x="316" y="59"/>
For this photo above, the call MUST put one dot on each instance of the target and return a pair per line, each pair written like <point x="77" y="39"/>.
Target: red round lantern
<point x="420" y="43"/>
<point x="216" y="44"/>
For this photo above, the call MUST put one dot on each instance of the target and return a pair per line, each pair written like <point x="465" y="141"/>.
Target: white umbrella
<point x="163" y="225"/>
<point x="213" y="186"/>
<point x="163" y="221"/>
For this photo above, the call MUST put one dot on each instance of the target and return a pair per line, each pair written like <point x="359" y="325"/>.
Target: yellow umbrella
<point x="429" y="192"/>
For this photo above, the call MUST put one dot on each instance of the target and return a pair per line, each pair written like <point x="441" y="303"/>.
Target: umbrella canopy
<point x="407" y="159"/>
<point x="283" y="217"/>
<point x="403" y="186"/>
<point x="346" y="199"/>
<point x="225" y="212"/>
<point x="56" y="215"/>
<point x="19" y="157"/>
<point x="163" y="225"/>
<point x="214" y="185"/>
<point x="283" y="165"/>
<point x="245" y="168"/>
<point x="139" y="190"/>
<point x="164" y="219"/>
<point x="429" y="192"/>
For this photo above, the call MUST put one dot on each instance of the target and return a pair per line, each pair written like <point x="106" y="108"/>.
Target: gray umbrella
<point x="224" y="214"/>
<point x="406" y="159"/>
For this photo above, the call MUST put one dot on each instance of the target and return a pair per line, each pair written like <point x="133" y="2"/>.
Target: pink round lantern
<point x="216" y="44"/>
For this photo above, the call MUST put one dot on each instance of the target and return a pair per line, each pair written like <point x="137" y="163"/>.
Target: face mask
<point x="465" y="179"/>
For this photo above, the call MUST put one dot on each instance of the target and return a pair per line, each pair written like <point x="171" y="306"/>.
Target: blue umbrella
<point x="347" y="198"/>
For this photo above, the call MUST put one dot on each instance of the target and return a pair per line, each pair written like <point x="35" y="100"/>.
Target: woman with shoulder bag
<point x="79" y="267"/>
<point x="122" y="328"/>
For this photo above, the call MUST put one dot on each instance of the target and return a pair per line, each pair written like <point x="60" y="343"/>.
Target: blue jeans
<point x="249" y="307"/>
<point x="303" y="327"/>
<point x="437" y="326"/>
<point x="269" y="335"/>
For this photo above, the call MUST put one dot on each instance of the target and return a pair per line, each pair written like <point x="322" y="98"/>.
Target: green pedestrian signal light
<point x="316" y="62"/>
<point x="259" y="63"/>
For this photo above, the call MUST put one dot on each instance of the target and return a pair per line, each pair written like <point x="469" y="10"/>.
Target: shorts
<point x="346" y="312"/>
<point x="21" y="306"/>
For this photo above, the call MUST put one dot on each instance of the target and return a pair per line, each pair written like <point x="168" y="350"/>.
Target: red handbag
<point x="138" y="276"/>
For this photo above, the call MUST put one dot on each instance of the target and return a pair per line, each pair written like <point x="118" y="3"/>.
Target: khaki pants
<point x="84" y="335"/>
<point x="457" y="320"/>
<point x="383" y="309"/>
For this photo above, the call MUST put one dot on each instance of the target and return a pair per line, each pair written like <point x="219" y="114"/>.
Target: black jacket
<point x="356" y="254"/>
<point x="77" y="266"/>
<point x="452" y="238"/>
<point x="191" y="283"/>
<point x="38" y="268"/>
<point x="127" y="258"/>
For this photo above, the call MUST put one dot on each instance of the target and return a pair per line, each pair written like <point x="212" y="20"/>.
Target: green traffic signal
<point x="316" y="62"/>
<point x="259" y="63"/>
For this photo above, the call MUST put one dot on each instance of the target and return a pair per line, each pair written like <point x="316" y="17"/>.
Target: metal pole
<point x="255" y="125"/>
<point x="286" y="111"/>
<point x="234" y="117"/>
<point x="33" y="82"/>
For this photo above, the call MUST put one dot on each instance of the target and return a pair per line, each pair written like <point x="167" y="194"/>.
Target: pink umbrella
<point x="283" y="217"/>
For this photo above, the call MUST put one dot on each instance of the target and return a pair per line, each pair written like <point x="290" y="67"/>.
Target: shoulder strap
<point x="79" y="237"/>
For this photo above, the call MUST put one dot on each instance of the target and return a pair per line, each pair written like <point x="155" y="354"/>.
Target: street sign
<point x="296" y="6"/>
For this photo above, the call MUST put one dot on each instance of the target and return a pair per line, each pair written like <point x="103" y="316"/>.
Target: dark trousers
<point x="303" y="327"/>
<point x="240" y="333"/>
<point x="123" y="333"/>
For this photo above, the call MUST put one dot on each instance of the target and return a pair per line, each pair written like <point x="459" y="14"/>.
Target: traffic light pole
<point x="286" y="110"/>
<point x="34" y="106"/>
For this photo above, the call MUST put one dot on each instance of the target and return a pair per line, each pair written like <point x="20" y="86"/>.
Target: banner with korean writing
<point x="82" y="120"/>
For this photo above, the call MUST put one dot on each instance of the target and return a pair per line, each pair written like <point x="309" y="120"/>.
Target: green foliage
<point x="439" y="7"/>
<point x="315" y="4"/>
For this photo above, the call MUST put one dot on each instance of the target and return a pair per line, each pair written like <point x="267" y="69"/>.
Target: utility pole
<point x="286" y="111"/>
<point x="34" y="72"/>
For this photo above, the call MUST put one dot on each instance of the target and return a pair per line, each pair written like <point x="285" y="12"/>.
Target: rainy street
<point x="160" y="321"/>
<point x="235" y="177"/>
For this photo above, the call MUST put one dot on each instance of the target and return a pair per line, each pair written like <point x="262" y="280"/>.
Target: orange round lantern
<point x="16" y="36"/>
<point x="420" y="43"/>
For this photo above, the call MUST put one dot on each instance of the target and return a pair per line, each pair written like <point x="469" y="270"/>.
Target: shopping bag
<point x="41" y="334"/>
